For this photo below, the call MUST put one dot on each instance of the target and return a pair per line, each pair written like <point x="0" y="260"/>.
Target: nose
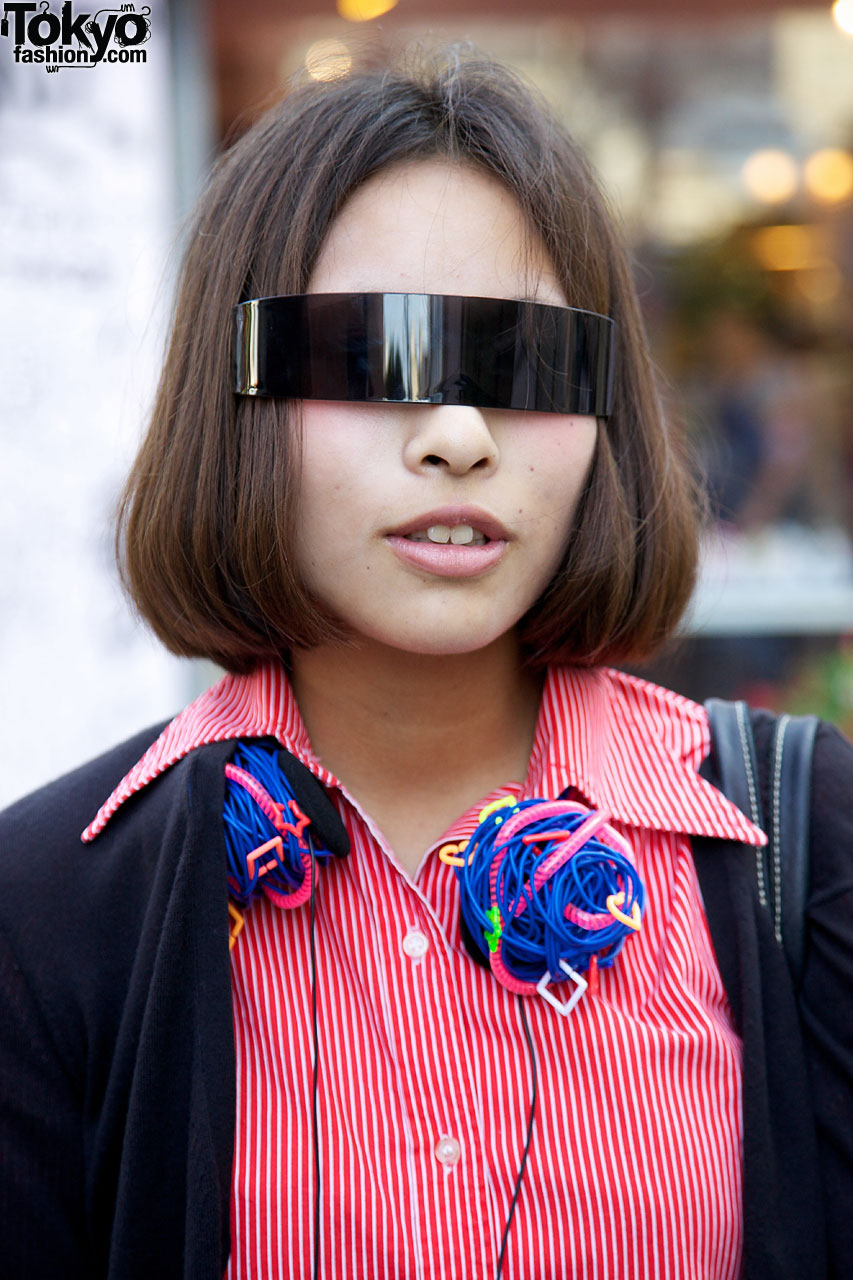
<point x="452" y="438"/>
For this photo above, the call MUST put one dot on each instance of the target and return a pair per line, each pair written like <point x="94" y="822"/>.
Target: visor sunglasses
<point x="423" y="348"/>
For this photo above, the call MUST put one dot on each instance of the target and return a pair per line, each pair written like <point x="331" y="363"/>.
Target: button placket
<point x="449" y="1160"/>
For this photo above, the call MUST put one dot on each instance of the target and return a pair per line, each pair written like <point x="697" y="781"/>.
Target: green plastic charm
<point x="494" y="937"/>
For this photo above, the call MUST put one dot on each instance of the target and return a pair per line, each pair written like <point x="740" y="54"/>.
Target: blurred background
<point x="724" y="135"/>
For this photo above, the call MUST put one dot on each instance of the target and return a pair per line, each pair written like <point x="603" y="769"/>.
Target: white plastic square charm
<point x="580" y="988"/>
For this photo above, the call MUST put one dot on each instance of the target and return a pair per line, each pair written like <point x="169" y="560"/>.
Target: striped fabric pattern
<point x="424" y="1070"/>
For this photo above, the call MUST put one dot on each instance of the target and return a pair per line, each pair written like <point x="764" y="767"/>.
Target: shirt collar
<point x="633" y="749"/>
<point x="255" y="706"/>
<point x="628" y="747"/>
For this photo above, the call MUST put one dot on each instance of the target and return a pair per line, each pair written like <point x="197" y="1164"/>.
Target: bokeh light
<point x="842" y="13"/>
<point x="364" y="10"/>
<point x="787" y="248"/>
<point x="770" y="176"/>
<point x="828" y="175"/>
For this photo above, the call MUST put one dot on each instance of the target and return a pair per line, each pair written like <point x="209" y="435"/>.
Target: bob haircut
<point x="206" y="520"/>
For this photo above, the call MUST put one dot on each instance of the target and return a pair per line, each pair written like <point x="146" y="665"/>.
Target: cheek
<point x="331" y="451"/>
<point x="321" y="479"/>
<point x="341" y="462"/>
<point x="321" y="443"/>
<point x="558" y="457"/>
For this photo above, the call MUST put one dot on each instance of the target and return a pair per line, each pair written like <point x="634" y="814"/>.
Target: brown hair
<point x="206" y="520"/>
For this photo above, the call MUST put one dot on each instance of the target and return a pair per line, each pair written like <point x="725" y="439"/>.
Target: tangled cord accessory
<point x="265" y="826"/>
<point x="279" y="823"/>
<point x="548" y="889"/>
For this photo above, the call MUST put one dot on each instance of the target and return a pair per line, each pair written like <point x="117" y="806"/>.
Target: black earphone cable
<point x="315" y="1126"/>
<point x="314" y="1107"/>
<point x="531" y="1118"/>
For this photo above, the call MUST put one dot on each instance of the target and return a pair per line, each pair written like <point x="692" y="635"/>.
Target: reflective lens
<point x="424" y="348"/>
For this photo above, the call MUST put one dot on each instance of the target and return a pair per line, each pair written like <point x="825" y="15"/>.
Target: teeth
<point x="461" y="535"/>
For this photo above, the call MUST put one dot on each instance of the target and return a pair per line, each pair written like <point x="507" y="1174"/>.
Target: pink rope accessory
<point x="565" y="866"/>
<point x="286" y="852"/>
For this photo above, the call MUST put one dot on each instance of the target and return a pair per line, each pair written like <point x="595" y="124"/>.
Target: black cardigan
<point x="116" y="1037"/>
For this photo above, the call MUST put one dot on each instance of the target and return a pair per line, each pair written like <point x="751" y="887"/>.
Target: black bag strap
<point x="790" y="821"/>
<point x="783" y="776"/>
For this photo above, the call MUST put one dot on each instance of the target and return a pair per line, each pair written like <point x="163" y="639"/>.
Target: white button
<point x="415" y="944"/>
<point x="447" y="1151"/>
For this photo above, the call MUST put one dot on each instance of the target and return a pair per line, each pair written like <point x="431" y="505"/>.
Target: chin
<point x="439" y="641"/>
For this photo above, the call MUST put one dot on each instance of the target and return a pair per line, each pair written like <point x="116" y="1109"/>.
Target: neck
<point x="418" y="738"/>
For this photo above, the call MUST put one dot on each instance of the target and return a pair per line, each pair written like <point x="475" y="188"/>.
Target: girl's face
<point x="383" y="487"/>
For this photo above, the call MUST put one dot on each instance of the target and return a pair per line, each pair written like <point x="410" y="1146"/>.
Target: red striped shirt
<point x="635" y="1166"/>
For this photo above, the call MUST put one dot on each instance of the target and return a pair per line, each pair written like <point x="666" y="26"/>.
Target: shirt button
<point x="416" y="944"/>
<point x="447" y="1151"/>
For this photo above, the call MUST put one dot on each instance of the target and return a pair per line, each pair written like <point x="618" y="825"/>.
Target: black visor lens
<point x="424" y="348"/>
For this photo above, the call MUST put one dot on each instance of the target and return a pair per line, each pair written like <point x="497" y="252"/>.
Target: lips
<point x="451" y="542"/>
<point x="454" y="518"/>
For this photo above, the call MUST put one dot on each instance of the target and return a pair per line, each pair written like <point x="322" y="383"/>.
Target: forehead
<point x="433" y="227"/>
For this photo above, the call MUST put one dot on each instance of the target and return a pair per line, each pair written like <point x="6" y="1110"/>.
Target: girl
<point x="407" y="481"/>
